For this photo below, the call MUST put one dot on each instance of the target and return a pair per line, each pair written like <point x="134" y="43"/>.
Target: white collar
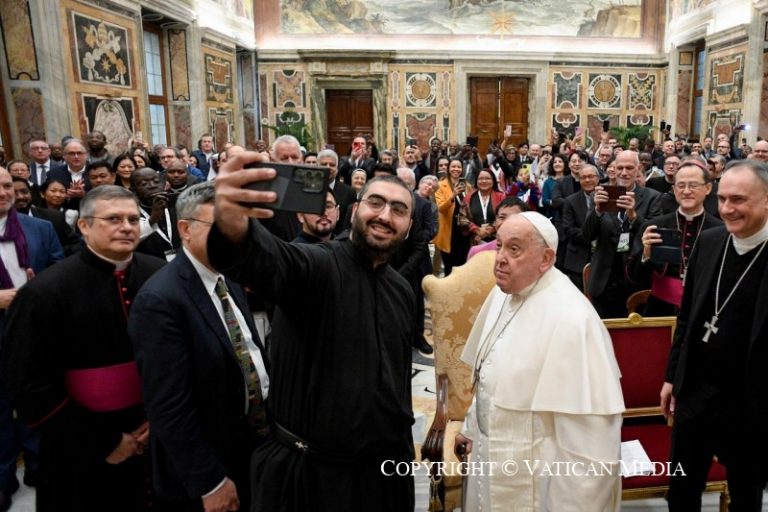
<point x="119" y="265"/>
<point x="744" y="245"/>
<point x="689" y="218"/>
<point x="3" y="223"/>
<point x="207" y="276"/>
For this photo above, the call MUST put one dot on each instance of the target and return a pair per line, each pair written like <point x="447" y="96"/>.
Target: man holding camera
<point x="612" y="225"/>
<point x="674" y="236"/>
<point x="357" y="159"/>
<point x="159" y="236"/>
<point x="340" y="395"/>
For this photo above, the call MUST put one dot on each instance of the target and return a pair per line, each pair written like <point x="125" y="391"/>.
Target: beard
<point x="375" y="249"/>
<point x="322" y="230"/>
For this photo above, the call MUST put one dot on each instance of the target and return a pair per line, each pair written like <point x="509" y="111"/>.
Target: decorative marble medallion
<point x="604" y="91"/>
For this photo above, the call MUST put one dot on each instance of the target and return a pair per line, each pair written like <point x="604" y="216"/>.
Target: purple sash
<point x="110" y="388"/>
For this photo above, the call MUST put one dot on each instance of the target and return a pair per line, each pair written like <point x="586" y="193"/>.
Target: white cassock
<point x="548" y="392"/>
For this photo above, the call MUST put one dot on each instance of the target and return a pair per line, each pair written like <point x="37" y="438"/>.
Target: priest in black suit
<point x="205" y="420"/>
<point x="665" y="279"/>
<point x="716" y="383"/>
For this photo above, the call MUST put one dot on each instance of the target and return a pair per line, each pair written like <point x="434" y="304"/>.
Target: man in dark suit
<point x="40" y="250"/>
<point x="612" y="233"/>
<point x="41" y="164"/>
<point x="204" y="380"/>
<point x="203" y="153"/>
<point x="575" y="210"/>
<point x="68" y="239"/>
<point x="344" y="195"/>
<point x="357" y="159"/>
<point x="73" y="176"/>
<point x="716" y="386"/>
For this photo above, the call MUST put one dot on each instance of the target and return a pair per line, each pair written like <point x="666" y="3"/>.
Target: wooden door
<point x="496" y="102"/>
<point x="349" y="114"/>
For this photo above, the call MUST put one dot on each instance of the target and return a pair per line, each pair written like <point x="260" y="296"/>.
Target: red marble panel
<point x="182" y="121"/>
<point x="30" y="117"/>
<point x="683" y="118"/>
<point x="421" y="127"/>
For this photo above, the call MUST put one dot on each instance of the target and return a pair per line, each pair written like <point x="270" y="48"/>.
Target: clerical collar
<point x="119" y="265"/>
<point x="687" y="217"/>
<point x="744" y="245"/>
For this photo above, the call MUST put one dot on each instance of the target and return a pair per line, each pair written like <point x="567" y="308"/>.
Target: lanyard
<point x="484" y="206"/>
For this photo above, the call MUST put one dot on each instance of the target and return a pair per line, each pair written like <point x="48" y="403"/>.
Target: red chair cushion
<point x="657" y="440"/>
<point x="642" y="356"/>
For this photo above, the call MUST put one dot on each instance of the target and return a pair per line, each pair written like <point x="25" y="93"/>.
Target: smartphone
<point x="299" y="188"/>
<point x="669" y="128"/>
<point x="663" y="126"/>
<point x="332" y="147"/>
<point x="668" y="251"/>
<point x="579" y="130"/>
<point x="508" y="131"/>
<point x="411" y="141"/>
<point x="614" y="193"/>
<point x="472" y="141"/>
<point x="606" y="125"/>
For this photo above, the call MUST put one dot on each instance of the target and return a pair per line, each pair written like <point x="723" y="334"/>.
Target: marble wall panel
<point x="251" y="129"/>
<point x="219" y="74"/>
<point x="30" y="117"/>
<point x="421" y="126"/>
<point x="289" y="89"/>
<point x="182" y="124"/>
<point x="624" y="96"/>
<point x="246" y="76"/>
<point x="421" y="90"/>
<point x="177" y="49"/>
<point x="221" y="123"/>
<point x="19" y="39"/>
<point x="683" y="118"/>
<point x="726" y="79"/>
<point x="763" y="126"/>
<point x="567" y="90"/>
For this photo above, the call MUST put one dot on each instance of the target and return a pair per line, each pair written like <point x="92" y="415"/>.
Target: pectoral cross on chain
<point x="711" y="328"/>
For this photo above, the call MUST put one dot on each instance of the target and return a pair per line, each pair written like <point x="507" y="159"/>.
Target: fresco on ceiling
<point x="240" y="8"/>
<point x="679" y="8"/>
<point x="583" y="18"/>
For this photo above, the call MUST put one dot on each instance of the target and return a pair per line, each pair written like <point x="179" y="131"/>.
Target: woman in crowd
<point x="525" y="188"/>
<point x="357" y="180"/>
<point x="610" y="171"/>
<point x="556" y="171"/>
<point x="54" y="194"/>
<point x="479" y="207"/>
<point x="442" y="167"/>
<point x="124" y="165"/>
<point x="450" y="240"/>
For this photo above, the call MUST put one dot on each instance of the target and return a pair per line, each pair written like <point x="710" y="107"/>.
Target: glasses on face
<point x="118" y="220"/>
<point x="75" y="153"/>
<point x="377" y="204"/>
<point x="672" y="164"/>
<point x="693" y="186"/>
<point x="198" y="220"/>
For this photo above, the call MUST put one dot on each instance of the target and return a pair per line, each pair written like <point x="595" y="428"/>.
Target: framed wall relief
<point x="112" y="116"/>
<point x="101" y="51"/>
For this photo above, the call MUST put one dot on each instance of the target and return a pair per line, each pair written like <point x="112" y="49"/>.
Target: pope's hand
<point x="462" y="446"/>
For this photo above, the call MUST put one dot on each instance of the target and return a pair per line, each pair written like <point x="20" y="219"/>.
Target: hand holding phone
<point x="299" y="188"/>
<point x="508" y="131"/>
<point x="667" y="247"/>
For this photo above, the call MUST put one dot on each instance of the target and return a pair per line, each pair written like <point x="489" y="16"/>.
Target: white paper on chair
<point x="634" y="459"/>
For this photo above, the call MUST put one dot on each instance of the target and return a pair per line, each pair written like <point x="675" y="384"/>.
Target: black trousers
<point x="695" y="440"/>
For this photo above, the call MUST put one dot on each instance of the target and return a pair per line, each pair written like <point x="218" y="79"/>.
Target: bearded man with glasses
<point x="340" y="388"/>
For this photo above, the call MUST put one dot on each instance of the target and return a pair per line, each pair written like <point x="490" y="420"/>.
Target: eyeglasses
<point x="377" y="204"/>
<point x="117" y="220"/>
<point x="693" y="186"/>
<point x="198" y="220"/>
<point x="75" y="153"/>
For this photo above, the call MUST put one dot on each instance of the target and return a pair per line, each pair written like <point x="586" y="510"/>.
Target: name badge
<point x="623" y="243"/>
<point x="169" y="255"/>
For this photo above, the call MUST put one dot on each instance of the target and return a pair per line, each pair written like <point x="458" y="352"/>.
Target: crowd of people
<point x="180" y="350"/>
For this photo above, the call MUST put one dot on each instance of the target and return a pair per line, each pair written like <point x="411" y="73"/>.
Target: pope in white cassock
<point x="547" y="391"/>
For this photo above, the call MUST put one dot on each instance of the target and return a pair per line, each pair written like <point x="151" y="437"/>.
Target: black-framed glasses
<point x="117" y="220"/>
<point x="377" y="204"/>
